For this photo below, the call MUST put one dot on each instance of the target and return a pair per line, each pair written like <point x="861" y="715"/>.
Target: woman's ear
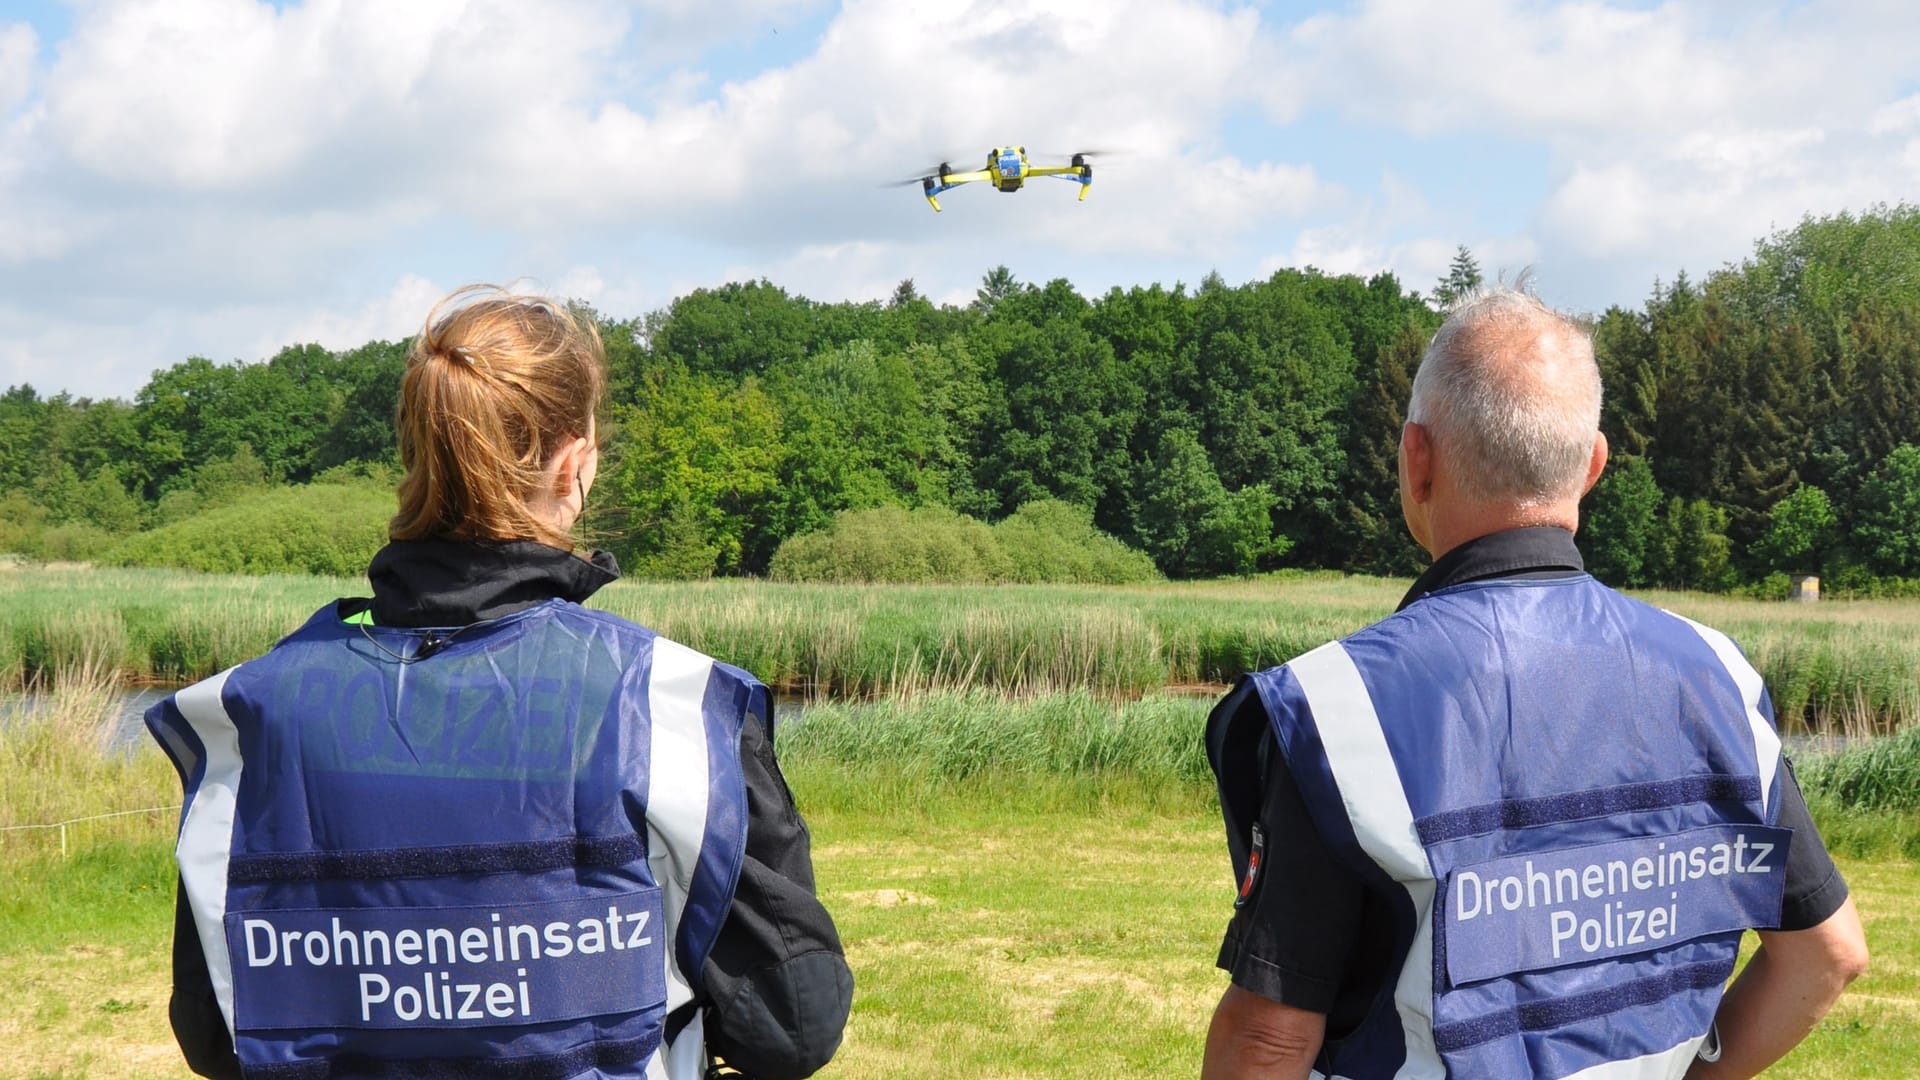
<point x="565" y="469"/>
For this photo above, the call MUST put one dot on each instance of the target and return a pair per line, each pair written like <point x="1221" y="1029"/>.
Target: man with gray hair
<point x="1517" y="828"/>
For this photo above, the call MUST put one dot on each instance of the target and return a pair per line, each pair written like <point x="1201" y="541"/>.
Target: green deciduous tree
<point x="696" y="462"/>
<point x="1191" y="524"/>
<point x="1800" y="532"/>
<point x="1059" y="409"/>
<point x="1620" y="527"/>
<point x="1888" y="533"/>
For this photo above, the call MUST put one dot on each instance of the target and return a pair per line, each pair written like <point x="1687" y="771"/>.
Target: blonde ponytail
<point x="494" y="386"/>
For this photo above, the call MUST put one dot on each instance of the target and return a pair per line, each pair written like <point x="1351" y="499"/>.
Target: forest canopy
<point x="1764" y="421"/>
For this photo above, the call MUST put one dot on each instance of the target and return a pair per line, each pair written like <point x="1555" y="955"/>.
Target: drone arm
<point x="1079" y="174"/>
<point x="934" y="185"/>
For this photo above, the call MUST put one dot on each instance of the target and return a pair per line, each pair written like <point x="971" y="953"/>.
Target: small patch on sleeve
<point x="1255" y="853"/>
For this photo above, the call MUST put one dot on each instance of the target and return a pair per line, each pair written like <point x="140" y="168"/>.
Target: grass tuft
<point x="57" y="765"/>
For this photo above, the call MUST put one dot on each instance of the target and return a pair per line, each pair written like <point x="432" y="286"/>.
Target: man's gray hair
<point x="1509" y="391"/>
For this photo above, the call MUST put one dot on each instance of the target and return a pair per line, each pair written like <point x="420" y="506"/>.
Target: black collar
<point x="1541" y="551"/>
<point x="455" y="583"/>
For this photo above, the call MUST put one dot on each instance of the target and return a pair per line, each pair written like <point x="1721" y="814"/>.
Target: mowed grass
<point x="1841" y="666"/>
<point x="1001" y="928"/>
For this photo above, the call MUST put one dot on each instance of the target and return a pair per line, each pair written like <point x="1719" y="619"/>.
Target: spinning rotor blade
<point x="945" y="167"/>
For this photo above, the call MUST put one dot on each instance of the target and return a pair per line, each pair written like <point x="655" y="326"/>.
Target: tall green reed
<point x="1851" y="667"/>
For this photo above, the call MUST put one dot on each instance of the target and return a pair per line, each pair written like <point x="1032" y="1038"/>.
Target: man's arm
<point x="1291" y="941"/>
<point x="1253" y="1037"/>
<point x="1800" y="969"/>
<point x="1788" y="985"/>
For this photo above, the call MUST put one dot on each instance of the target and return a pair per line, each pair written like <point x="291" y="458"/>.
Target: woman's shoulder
<point x="658" y="647"/>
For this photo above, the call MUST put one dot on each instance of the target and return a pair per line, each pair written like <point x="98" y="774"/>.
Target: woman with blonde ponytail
<point x="468" y="827"/>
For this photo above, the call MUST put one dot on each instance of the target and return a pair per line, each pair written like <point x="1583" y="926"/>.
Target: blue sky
<point x="225" y="177"/>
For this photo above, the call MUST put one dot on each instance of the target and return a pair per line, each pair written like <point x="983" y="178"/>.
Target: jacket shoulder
<point x="608" y="622"/>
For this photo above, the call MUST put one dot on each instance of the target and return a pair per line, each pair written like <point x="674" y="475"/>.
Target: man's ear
<point x="1596" y="464"/>
<point x="1416" y="462"/>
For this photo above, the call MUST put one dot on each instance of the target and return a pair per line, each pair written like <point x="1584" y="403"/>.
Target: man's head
<point x="1504" y="426"/>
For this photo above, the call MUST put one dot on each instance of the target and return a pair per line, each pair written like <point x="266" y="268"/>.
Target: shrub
<point x="892" y="545"/>
<point x="1044" y="541"/>
<point x="75" y="542"/>
<point x="23" y="524"/>
<point x="314" y="529"/>
<point x="1052" y="541"/>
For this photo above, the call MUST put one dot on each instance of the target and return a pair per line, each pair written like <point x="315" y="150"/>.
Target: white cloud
<point x="230" y="94"/>
<point x="1573" y="72"/>
<point x="225" y="176"/>
<point x="513" y="122"/>
<point x="1677" y="134"/>
<point x="19" y="50"/>
<point x="391" y="317"/>
<point x="1897" y="116"/>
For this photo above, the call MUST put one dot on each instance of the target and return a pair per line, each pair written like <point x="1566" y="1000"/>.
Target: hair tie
<point x="472" y="362"/>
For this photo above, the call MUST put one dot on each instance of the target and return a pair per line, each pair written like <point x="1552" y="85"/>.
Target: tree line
<point x="1763" y="420"/>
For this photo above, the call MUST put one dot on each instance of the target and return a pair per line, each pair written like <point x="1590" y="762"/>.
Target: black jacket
<point x="778" y="988"/>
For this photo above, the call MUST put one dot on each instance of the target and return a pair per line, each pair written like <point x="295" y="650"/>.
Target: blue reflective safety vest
<point x="507" y="859"/>
<point x="1566" y="798"/>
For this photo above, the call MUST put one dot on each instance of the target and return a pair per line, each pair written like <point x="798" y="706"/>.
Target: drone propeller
<point x="931" y="172"/>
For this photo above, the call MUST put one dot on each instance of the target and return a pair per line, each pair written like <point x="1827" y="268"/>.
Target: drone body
<point x="1007" y="170"/>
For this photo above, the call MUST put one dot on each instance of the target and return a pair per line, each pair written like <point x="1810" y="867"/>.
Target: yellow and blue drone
<point x="1007" y="169"/>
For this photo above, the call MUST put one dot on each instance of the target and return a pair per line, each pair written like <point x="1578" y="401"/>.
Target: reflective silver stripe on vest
<point x="206" y="831"/>
<point x="1665" y="1065"/>
<point x="677" y="819"/>
<point x="1766" y="743"/>
<point x="1376" y="804"/>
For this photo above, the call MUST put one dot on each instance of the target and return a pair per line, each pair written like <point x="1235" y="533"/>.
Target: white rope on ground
<point x="94" y="817"/>
<point x="62" y="825"/>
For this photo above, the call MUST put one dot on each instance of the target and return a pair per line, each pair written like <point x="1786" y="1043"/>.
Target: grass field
<point x="1018" y="839"/>
<point x="1849" y="666"/>
<point x="1026" y="887"/>
<point x="1003" y="930"/>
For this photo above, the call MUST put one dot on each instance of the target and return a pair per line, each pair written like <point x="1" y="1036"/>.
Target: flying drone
<point x="1007" y="169"/>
